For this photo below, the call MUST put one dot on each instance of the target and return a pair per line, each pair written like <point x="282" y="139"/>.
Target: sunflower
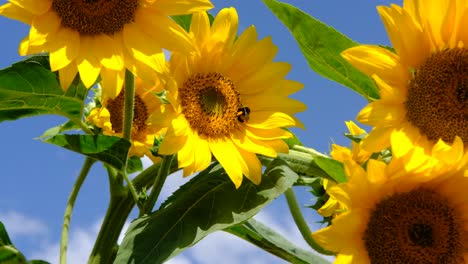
<point x="340" y="153"/>
<point x="398" y="216"/>
<point x="230" y="100"/>
<point x="147" y="125"/>
<point x="102" y="36"/>
<point x="424" y="84"/>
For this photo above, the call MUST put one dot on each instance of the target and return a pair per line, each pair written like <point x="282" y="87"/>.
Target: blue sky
<point x="37" y="177"/>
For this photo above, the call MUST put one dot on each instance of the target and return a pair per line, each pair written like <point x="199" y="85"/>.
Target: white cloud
<point x="18" y="224"/>
<point x="80" y="244"/>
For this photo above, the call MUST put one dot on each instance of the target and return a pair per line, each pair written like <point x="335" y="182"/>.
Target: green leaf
<point x="322" y="46"/>
<point x="4" y="238"/>
<point x="134" y="164"/>
<point x="185" y="20"/>
<point x="28" y="88"/>
<point x="36" y="261"/>
<point x="333" y="168"/>
<point x="267" y="239"/>
<point x="10" y="255"/>
<point x="111" y="150"/>
<point x="56" y="130"/>
<point x="209" y="202"/>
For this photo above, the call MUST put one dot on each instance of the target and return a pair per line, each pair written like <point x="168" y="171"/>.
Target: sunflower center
<point x="94" y="17"/>
<point x="438" y="96"/>
<point x="116" y="110"/>
<point x="210" y="104"/>
<point x="419" y="226"/>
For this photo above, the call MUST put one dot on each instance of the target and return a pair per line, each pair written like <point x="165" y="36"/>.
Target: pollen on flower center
<point x="210" y="104"/>
<point x="419" y="226"/>
<point x="437" y="100"/>
<point x="94" y="17"/>
<point x="116" y="109"/>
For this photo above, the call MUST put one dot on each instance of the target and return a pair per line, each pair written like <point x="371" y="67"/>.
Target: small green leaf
<point x="53" y="131"/>
<point x="333" y="168"/>
<point x="208" y="203"/>
<point x="134" y="164"/>
<point x="322" y="46"/>
<point x="36" y="261"/>
<point x="185" y="20"/>
<point x="28" y="88"/>
<point x="111" y="150"/>
<point x="4" y="238"/>
<point x="267" y="239"/>
<point x="10" y="255"/>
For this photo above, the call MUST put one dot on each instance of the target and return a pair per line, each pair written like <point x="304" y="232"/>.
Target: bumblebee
<point x="243" y="114"/>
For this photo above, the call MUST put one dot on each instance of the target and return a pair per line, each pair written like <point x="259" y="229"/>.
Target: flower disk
<point x="438" y="96"/>
<point x="145" y="127"/>
<point x="210" y="103"/>
<point x="94" y="17"/>
<point x="420" y="226"/>
<point x="423" y="84"/>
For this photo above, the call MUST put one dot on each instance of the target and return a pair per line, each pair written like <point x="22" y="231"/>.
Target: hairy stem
<point x="301" y="223"/>
<point x="69" y="208"/>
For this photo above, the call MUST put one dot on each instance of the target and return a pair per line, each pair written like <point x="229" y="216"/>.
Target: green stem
<point x="85" y="128"/>
<point x="164" y="171"/>
<point x="132" y="190"/>
<point x="120" y="207"/>
<point x="105" y="248"/>
<point x="69" y="208"/>
<point x="301" y="223"/>
<point x="128" y="104"/>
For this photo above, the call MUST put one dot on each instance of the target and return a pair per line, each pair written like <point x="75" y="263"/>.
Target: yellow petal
<point x="228" y="156"/>
<point x="254" y="167"/>
<point x="172" y="143"/>
<point x="141" y="46"/>
<point x="270" y="73"/>
<point x="375" y="60"/>
<point x="186" y="154"/>
<point x="269" y="119"/>
<point x="252" y="145"/>
<point x="266" y="102"/>
<point x="256" y="57"/>
<point x="449" y="153"/>
<point x="16" y="12"/>
<point x="111" y="82"/>
<point x="67" y="75"/>
<point x="88" y="65"/>
<point x="377" y="140"/>
<point x="408" y="38"/>
<point x="202" y="156"/>
<point x="181" y="7"/>
<point x="43" y="26"/>
<point x="200" y="27"/>
<point x="224" y="28"/>
<point x="164" y="32"/>
<point x="33" y="6"/>
<point x="382" y="113"/>
<point x="267" y="134"/>
<point x="64" y="48"/>
<point x="109" y="52"/>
